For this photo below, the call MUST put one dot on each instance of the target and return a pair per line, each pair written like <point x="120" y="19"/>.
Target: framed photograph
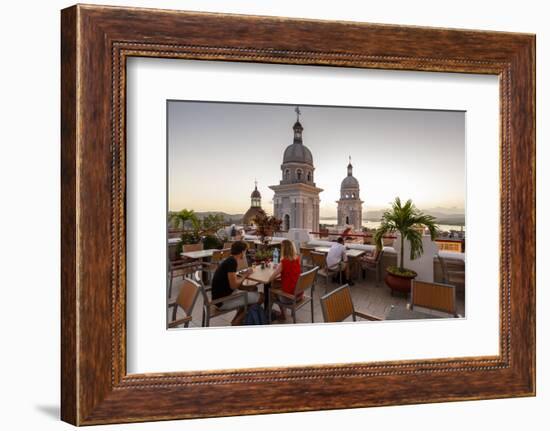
<point x="323" y="214"/>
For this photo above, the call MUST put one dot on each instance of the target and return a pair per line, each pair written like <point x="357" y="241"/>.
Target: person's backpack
<point x="255" y="315"/>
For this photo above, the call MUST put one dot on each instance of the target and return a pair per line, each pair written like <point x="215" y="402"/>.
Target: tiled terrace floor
<point x="367" y="298"/>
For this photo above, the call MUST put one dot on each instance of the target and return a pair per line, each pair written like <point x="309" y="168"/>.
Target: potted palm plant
<point x="410" y="223"/>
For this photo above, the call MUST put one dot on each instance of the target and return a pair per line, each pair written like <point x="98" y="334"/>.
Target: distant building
<point x="350" y="206"/>
<point x="255" y="206"/>
<point x="296" y="198"/>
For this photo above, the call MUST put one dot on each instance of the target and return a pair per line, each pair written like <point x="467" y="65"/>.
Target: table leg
<point x="267" y="287"/>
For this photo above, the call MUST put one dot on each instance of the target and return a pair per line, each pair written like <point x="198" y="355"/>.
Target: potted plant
<point x="263" y="255"/>
<point x="410" y="223"/>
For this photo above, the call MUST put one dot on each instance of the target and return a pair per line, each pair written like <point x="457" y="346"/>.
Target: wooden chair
<point x="187" y="297"/>
<point x="453" y="277"/>
<point x="373" y="264"/>
<point x="434" y="296"/>
<point x="193" y="247"/>
<point x="180" y="268"/>
<point x="337" y="306"/>
<point x="210" y="308"/>
<point x="320" y="260"/>
<point x="306" y="260"/>
<point x="227" y="245"/>
<point x="217" y="257"/>
<point x="305" y="282"/>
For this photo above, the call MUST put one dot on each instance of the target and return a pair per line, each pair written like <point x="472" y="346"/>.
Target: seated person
<point x="289" y="270"/>
<point x="346" y="232"/>
<point x="371" y="257"/>
<point x="337" y="256"/>
<point x="226" y="280"/>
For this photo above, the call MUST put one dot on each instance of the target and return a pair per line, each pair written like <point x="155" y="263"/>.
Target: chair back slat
<point x="219" y="255"/>
<point x="318" y="259"/>
<point x="192" y="247"/>
<point x="436" y="296"/>
<point x="305" y="281"/>
<point x="305" y="251"/>
<point x="216" y="256"/>
<point x="337" y="305"/>
<point x="187" y="295"/>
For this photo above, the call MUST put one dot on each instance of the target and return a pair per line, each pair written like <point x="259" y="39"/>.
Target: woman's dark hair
<point x="340" y="240"/>
<point x="238" y="247"/>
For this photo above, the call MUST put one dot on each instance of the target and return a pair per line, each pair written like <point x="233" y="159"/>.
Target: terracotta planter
<point x="399" y="283"/>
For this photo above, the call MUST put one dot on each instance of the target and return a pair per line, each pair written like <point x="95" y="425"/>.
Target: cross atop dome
<point x="298" y="129"/>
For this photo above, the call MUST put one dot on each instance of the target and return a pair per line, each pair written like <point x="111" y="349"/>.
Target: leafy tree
<point x="266" y="226"/>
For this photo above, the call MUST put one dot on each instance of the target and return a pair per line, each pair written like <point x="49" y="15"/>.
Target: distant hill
<point x="442" y="217"/>
<point x="232" y="218"/>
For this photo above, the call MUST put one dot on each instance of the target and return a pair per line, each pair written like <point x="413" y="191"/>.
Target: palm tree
<point x="180" y="218"/>
<point x="406" y="219"/>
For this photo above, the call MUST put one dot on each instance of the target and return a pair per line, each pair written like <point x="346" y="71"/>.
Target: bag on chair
<point x="255" y="315"/>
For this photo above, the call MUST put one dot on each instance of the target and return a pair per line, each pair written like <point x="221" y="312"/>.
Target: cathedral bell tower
<point x="296" y="198"/>
<point x="350" y="206"/>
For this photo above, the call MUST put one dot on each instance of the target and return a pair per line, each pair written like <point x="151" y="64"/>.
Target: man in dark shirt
<point x="226" y="280"/>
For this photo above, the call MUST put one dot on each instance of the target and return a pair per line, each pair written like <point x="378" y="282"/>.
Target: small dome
<point x="251" y="214"/>
<point x="298" y="153"/>
<point x="255" y="194"/>
<point x="350" y="182"/>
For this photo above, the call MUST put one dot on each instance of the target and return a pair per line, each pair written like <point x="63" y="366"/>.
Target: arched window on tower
<point x="299" y="174"/>
<point x="286" y="222"/>
<point x="309" y="177"/>
<point x="287" y="174"/>
<point x="353" y="195"/>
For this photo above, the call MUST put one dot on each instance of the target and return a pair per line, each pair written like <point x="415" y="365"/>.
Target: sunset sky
<point x="217" y="150"/>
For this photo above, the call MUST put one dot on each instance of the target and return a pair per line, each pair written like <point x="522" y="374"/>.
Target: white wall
<point x="29" y="174"/>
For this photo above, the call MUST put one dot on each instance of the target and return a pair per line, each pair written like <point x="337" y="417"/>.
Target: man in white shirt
<point x="336" y="255"/>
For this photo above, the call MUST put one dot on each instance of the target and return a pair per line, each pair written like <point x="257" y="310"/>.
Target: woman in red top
<point x="289" y="271"/>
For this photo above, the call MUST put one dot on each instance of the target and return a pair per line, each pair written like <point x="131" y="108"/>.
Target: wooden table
<point x="349" y="252"/>
<point x="403" y="313"/>
<point x="262" y="276"/>
<point x="201" y="255"/>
